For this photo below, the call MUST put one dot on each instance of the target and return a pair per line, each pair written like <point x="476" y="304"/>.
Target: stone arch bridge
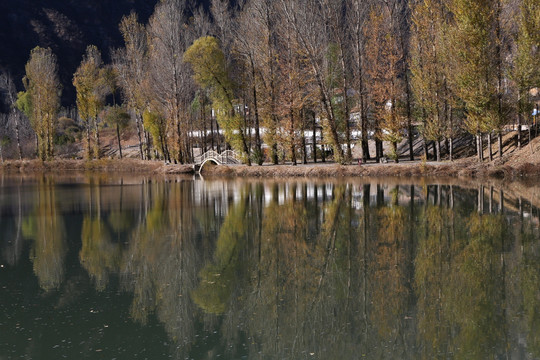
<point x="227" y="157"/>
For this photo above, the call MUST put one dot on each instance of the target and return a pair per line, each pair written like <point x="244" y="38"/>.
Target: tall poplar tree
<point x="42" y="98"/>
<point x="473" y="47"/>
<point x="428" y="70"/>
<point x="91" y="91"/>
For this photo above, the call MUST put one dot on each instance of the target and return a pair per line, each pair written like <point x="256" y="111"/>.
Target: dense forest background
<point x="274" y="80"/>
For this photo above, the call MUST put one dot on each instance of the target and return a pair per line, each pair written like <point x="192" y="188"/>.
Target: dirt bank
<point x="104" y="165"/>
<point x="462" y="168"/>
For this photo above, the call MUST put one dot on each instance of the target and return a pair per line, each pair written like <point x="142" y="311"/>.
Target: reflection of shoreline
<point x="123" y="191"/>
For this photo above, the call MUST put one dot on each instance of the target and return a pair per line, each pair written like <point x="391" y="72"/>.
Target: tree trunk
<point x="212" y="144"/>
<point x="480" y="148"/>
<point x="451" y="148"/>
<point x="292" y="136"/>
<point x="304" y="146"/>
<point x="314" y="145"/>
<point x="519" y="139"/>
<point x="258" y="143"/>
<point x="438" y="150"/>
<point x="499" y="140"/>
<point x="88" y="147"/>
<point x="138" y="124"/>
<point x="410" y="139"/>
<point x="17" y="134"/>
<point x="490" y="153"/>
<point x="118" y="137"/>
<point x="378" y="150"/>
<point x="204" y="134"/>
<point x="97" y="154"/>
<point x="394" y="147"/>
<point x="218" y="142"/>
<point x="147" y="144"/>
<point x="346" y="111"/>
<point x="530" y="138"/>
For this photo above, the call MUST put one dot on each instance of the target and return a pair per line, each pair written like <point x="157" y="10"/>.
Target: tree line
<point x="300" y="80"/>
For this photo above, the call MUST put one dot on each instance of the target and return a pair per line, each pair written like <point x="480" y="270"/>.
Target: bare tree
<point x="169" y="75"/>
<point x="10" y="95"/>
<point x="131" y="64"/>
<point x="356" y="18"/>
<point x="311" y="33"/>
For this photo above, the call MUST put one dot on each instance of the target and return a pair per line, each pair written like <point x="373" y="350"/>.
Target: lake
<point x="93" y="267"/>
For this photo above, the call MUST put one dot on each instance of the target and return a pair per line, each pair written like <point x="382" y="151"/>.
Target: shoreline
<point x="461" y="169"/>
<point x="464" y="168"/>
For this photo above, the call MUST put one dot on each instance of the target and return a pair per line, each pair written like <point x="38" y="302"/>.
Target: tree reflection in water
<point x="300" y="269"/>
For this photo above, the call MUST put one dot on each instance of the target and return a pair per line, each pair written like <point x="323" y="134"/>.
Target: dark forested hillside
<point x="66" y="26"/>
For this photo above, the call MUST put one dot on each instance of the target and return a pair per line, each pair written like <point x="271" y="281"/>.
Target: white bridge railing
<point x="227" y="157"/>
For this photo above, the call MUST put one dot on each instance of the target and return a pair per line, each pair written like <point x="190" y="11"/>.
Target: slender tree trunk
<point x="451" y="148"/>
<point x="258" y="143"/>
<point x="438" y="150"/>
<point x="519" y="139"/>
<point x="304" y="146"/>
<point x="480" y="148"/>
<point x="499" y="140"/>
<point x="530" y="138"/>
<point x="304" y="150"/>
<point x="16" y="115"/>
<point x="394" y="146"/>
<point x="410" y="138"/>
<point x="48" y="143"/>
<point x="138" y="124"/>
<point x="147" y="144"/>
<point x="97" y="154"/>
<point x="314" y="139"/>
<point x="323" y="147"/>
<point x="180" y="152"/>
<point x="204" y="137"/>
<point x="212" y="144"/>
<point x="273" y="97"/>
<point x="346" y="111"/>
<point x="490" y="152"/>
<point x="88" y="146"/>
<point x="360" y="77"/>
<point x="119" y="143"/>
<point x="218" y="138"/>
<point x="292" y="137"/>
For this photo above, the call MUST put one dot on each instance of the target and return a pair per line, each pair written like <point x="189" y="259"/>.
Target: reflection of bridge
<point x="227" y="157"/>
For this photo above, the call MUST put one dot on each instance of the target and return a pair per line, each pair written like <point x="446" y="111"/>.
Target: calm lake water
<point x="146" y="268"/>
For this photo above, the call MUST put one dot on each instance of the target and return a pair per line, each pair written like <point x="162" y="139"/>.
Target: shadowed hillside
<point x="67" y="27"/>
